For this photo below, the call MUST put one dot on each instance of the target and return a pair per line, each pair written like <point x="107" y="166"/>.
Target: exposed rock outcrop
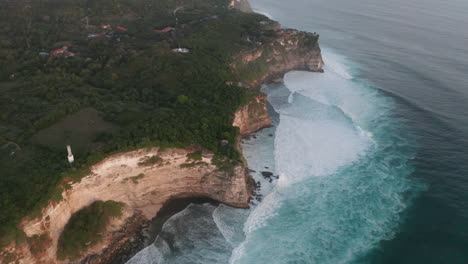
<point x="242" y="5"/>
<point x="253" y="116"/>
<point x="111" y="180"/>
<point x="290" y="50"/>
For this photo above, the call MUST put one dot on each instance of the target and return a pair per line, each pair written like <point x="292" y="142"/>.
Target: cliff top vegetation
<point x="99" y="76"/>
<point x="102" y="76"/>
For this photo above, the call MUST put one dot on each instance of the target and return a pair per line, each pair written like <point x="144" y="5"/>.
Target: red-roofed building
<point x="167" y="29"/>
<point x="57" y="52"/>
<point x="69" y="54"/>
<point x="121" y="28"/>
<point x="184" y="25"/>
<point x="106" y="26"/>
<point x="62" y="52"/>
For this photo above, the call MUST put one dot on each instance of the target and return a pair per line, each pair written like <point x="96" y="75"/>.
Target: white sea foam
<point x="326" y="124"/>
<point x="330" y="204"/>
<point x="315" y="136"/>
<point x="230" y="222"/>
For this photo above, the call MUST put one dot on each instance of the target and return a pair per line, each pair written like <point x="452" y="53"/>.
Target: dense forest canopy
<point x="102" y="76"/>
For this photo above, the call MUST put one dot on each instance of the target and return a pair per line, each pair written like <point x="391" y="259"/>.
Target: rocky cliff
<point x="253" y="116"/>
<point x="242" y="5"/>
<point x="289" y="50"/>
<point x="173" y="177"/>
<point x="113" y="179"/>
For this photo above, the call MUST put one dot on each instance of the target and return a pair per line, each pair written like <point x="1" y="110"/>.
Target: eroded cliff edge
<point x="253" y="116"/>
<point x="111" y="180"/>
<point x="288" y="50"/>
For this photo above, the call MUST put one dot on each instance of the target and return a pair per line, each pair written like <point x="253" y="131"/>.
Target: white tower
<point x="70" y="155"/>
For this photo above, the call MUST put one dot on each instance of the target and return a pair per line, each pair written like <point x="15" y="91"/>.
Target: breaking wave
<point x="342" y="161"/>
<point x="343" y="166"/>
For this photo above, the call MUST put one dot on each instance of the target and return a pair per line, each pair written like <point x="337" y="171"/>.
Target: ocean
<point x="369" y="159"/>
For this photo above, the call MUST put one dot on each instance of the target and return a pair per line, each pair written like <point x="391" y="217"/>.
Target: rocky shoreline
<point x="167" y="188"/>
<point x="174" y="177"/>
<point x="139" y="232"/>
<point x="291" y="50"/>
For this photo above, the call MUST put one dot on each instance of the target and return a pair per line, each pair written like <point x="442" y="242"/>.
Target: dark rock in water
<point x="250" y="170"/>
<point x="256" y="193"/>
<point x="266" y="168"/>
<point x="269" y="176"/>
<point x="270" y="135"/>
<point x="259" y="197"/>
<point x="138" y="232"/>
<point x="266" y="174"/>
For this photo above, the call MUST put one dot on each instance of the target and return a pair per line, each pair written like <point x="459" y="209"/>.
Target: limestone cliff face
<point x="290" y="50"/>
<point x="111" y="180"/>
<point x="242" y="5"/>
<point x="253" y="116"/>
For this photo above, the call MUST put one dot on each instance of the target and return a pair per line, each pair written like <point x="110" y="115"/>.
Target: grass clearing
<point x="80" y="130"/>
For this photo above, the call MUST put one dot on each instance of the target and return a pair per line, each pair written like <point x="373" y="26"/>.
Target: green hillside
<point x="98" y="76"/>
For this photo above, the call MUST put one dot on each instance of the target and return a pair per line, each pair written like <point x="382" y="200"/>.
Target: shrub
<point x="151" y="161"/>
<point x="195" y="155"/>
<point x="84" y="228"/>
<point x="193" y="164"/>
<point x="134" y="179"/>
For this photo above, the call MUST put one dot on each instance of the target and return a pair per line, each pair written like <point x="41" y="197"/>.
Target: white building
<point x="181" y="50"/>
<point x="70" y="155"/>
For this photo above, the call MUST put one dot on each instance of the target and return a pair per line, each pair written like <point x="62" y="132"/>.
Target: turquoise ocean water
<point x="372" y="155"/>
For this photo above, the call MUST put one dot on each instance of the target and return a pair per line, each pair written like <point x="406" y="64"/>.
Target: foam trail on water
<point x="229" y="222"/>
<point x="342" y="166"/>
<point x="191" y="237"/>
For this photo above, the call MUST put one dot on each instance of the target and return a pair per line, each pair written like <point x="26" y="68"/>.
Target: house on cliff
<point x="164" y="30"/>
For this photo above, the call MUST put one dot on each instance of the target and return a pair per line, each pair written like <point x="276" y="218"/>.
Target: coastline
<point x="109" y="180"/>
<point x="126" y="236"/>
<point x="144" y="233"/>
